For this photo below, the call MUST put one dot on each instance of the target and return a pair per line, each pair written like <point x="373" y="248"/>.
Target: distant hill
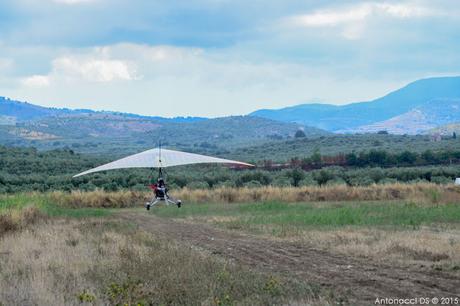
<point x="234" y="130"/>
<point x="25" y="124"/>
<point x="23" y="111"/>
<point x="354" y="115"/>
<point x="418" y="120"/>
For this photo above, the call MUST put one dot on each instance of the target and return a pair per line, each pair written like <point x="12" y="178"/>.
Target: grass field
<point x="406" y="232"/>
<point x="61" y="255"/>
<point x="72" y="248"/>
<point x="99" y="262"/>
<point x="323" y="215"/>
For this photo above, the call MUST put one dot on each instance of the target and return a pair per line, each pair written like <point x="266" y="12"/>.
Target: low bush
<point x="11" y="220"/>
<point x="99" y="198"/>
<point x="331" y="192"/>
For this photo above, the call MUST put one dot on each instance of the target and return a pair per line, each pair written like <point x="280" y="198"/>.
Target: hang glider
<point x="161" y="158"/>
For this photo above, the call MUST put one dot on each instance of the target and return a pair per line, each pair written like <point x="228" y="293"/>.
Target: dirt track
<point x="360" y="280"/>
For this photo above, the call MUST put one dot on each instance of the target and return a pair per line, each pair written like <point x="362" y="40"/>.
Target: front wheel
<point x="179" y="204"/>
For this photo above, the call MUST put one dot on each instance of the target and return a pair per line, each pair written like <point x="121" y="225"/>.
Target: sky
<point x="220" y="57"/>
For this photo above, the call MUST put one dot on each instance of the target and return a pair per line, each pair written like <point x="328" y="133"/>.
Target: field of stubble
<point x="319" y="246"/>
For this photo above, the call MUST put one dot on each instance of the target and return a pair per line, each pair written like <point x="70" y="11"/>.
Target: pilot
<point x="161" y="190"/>
<point x="161" y="193"/>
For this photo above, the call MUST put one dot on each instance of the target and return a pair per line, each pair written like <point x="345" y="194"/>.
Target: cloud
<point x="133" y="62"/>
<point x="71" y="2"/>
<point x="91" y="65"/>
<point x="36" y="81"/>
<point x="207" y="57"/>
<point x="331" y="17"/>
<point x="77" y="23"/>
<point x="358" y="13"/>
<point x="93" y="69"/>
<point x="404" y="10"/>
<point x="353" y="20"/>
<point x="178" y="81"/>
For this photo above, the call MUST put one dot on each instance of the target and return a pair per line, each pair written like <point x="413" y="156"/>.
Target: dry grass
<point x="100" y="262"/>
<point x="415" y="192"/>
<point x="99" y="198"/>
<point x="406" y="233"/>
<point x="425" y="248"/>
<point x="420" y="193"/>
<point x="12" y="220"/>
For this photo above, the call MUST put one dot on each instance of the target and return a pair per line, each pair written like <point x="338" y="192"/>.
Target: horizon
<point x="242" y="114"/>
<point x="212" y="59"/>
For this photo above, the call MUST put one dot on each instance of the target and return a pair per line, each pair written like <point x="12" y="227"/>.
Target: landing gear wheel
<point x="179" y="204"/>
<point x="147" y="206"/>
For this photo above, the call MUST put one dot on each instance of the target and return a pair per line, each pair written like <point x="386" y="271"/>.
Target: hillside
<point x="335" y="144"/>
<point x="17" y="111"/>
<point x="418" y="120"/>
<point x="228" y="131"/>
<point x="25" y="124"/>
<point x="116" y="134"/>
<point x="354" y="115"/>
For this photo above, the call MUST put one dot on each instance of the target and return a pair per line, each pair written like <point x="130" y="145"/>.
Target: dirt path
<point x="360" y="280"/>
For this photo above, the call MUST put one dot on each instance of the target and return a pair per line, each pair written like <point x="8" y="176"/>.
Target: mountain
<point x="354" y="115"/>
<point x="230" y="131"/>
<point x="21" y="111"/>
<point x="25" y="124"/>
<point x="418" y="120"/>
<point x="17" y="111"/>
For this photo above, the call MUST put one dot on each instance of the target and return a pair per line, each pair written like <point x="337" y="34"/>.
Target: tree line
<point x="26" y="169"/>
<point x="372" y="158"/>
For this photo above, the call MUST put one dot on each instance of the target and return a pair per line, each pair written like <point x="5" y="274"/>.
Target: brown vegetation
<point x="353" y="280"/>
<point x="426" y="248"/>
<point x="421" y="193"/>
<point x="18" y="219"/>
<point x="99" y="198"/>
<point x="416" y="192"/>
<point x="103" y="262"/>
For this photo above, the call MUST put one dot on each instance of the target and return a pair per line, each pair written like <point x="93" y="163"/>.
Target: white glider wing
<point x="160" y="158"/>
